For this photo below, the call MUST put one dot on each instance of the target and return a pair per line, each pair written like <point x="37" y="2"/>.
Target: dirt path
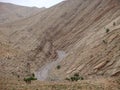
<point x="42" y="74"/>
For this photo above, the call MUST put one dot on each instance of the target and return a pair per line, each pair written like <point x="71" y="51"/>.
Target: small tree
<point x="104" y="42"/>
<point x="58" y="67"/>
<point x="76" y="74"/>
<point x="68" y="79"/>
<point x="107" y="30"/>
<point x="29" y="79"/>
<point x="114" y="23"/>
<point x="33" y="75"/>
<point x="75" y="77"/>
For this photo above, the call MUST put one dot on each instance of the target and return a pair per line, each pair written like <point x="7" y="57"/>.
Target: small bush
<point x="114" y="23"/>
<point x="81" y="78"/>
<point x="76" y="74"/>
<point x="107" y="30"/>
<point x="18" y="76"/>
<point x="104" y="42"/>
<point x="13" y="89"/>
<point x="33" y="74"/>
<point x="75" y="77"/>
<point x="29" y="79"/>
<point x="58" y="67"/>
<point x="68" y="79"/>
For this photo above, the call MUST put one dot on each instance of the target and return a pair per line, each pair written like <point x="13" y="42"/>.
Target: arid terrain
<point x="75" y="39"/>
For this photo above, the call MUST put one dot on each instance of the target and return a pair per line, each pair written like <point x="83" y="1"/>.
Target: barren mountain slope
<point x="92" y="40"/>
<point x="10" y="12"/>
<point x="88" y="32"/>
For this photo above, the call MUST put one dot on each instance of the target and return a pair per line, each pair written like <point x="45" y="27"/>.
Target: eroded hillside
<point x="86" y="32"/>
<point x="10" y="12"/>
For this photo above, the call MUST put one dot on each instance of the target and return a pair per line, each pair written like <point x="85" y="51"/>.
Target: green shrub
<point x="75" y="77"/>
<point x="81" y="78"/>
<point x="104" y="42"/>
<point x="58" y="67"/>
<point x="18" y="76"/>
<point x="13" y="89"/>
<point x="76" y="74"/>
<point x="33" y="74"/>
<point x="29" y="79"/>
<point x="68" y="79"/>
<point x="107" y="30"/>
<point x="114" y="23"/>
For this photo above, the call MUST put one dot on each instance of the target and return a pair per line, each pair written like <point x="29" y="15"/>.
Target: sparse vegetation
<point x="58" y="66"/>
<point x="75" y="77"/>
<point x="76" y="74"/>
<point x="68" y="79"/>
<point x="104" y="42"/>
<point x="107" y="30"/>
<point x="29" y="79"/>
<point x="33" y="74"/>
<point x="114" y="23"/>
<point x="13" y="89"/>
<point x="18" y="76"/>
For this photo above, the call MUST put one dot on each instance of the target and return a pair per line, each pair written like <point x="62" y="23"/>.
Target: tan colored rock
<point x="77" y="27"/>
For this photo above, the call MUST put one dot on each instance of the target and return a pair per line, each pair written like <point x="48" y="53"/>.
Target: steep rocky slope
<point x="92" y="42"/>
<point x="10" y="12"/>
<point x="88" y="32"/>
